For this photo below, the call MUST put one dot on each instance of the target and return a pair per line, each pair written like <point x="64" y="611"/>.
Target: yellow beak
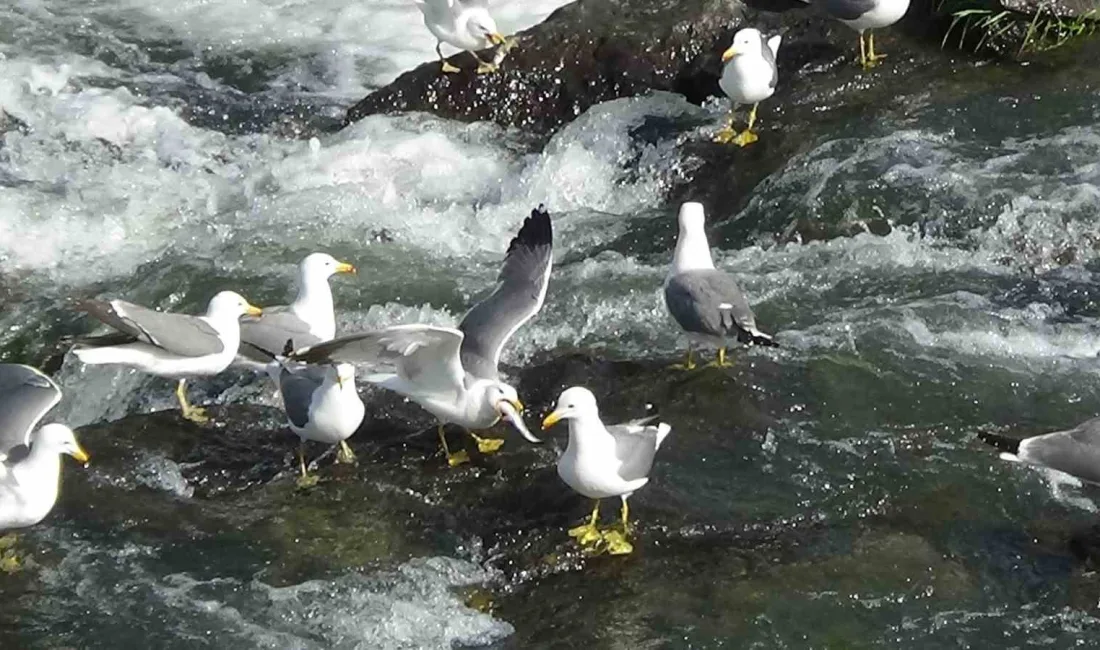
<point x="496" y="39"/>
<point x="729" y="54"/>
<point x="253" y="310"/>
<point x="518" y="405"/>
<point x="81" y="455"/>
<point x="551" y="420"/>
<point x="344" y="267"/>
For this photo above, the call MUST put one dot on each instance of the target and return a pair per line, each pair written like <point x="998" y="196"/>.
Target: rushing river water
<point x="829" y="493"/>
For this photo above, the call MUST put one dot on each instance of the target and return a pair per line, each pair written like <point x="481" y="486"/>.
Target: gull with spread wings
<point x="452" y="372"/>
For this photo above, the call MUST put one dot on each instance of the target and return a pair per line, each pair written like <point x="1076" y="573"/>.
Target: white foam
<point x="413" y="606"/>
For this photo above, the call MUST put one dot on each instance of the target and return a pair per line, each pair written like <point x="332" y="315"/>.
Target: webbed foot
<point x="458" y="458"/>
<point x="487" y="68"/>
<point x="725" y="135"/>
<point x="487" y="445"/>
<point x="586" y="535"/>
<point x="616" y="544"/>
<point x="344" y="454"/>
<point x="196" y="414"/>
<point x="9" y="563"/>
<point x="306" y="481"/>
<point x="447" y="68"/>
<point x="745" y="138"/>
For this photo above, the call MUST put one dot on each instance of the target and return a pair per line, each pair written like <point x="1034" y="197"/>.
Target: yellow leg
<point x="345" y="454"/>
<point x="721" y="361"/>
<point x="726" y="134"/>
<point x="587" y="534"/>
<point x="193" y="413"/>
<point x="447" y="67"/>
<point x="872" y="58"/>
<point x="616" y="540"/>
<point x="486" y="445"/>
<point x="688" y="364"/>
<point x="748" y="136"/>
<point x="305" y="480"/>
<point x="455" y="459"/>
<point x="484" y="67"/>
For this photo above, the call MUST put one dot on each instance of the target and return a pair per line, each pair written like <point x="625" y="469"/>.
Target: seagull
<point x="1074" y="451"/>
<point x="452" y="372"/>
<point x="863" y="15"/>
<point x="307" y="320"/>
<point x="167" y="345"/>
<point x="30" y="464"/>
<point x="749" y="76"/>
<point x="706" y="302"/>
<point x="604" y="461"/>
<point x="321" y="404"/>
<point x="465" y="24"/>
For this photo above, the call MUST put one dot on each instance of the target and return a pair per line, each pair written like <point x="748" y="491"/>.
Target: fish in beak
<point x="495" y="38"/>
<point x="81" y="456"/>
<point x="344" y="267"/>
<point x="511" y="409"/>
<point x="343" y="375"/>
<point x="253" y="310"/>
<point x="729" y="54"/>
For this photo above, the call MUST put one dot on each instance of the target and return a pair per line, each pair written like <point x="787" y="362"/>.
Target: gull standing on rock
<point x="464" y="24"/>
<point x="30" y="464"/>
<point x="864" y="15"/>
<point x="321" y="404"/>
<point x="706" y="302"/>
<point x="309" y="319"/>
<point x="604" y="461"/>
<point x="749" y="76"/>
<point x="452" y="372"/>
<point x="176" y="346"/>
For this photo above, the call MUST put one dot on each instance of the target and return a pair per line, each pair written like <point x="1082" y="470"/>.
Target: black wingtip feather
<point x="765" y="341"/>
<point x="536" y="230"/>
<point x="1004" y="443"/>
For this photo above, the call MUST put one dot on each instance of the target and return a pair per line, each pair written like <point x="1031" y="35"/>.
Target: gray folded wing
<point x="848" y="9"/>
<point x="636" y="445"/>
<point x="710" y="302"/>
<point x="271" y="332"/>
<point x="1076" y="451"/>
<point x="180" y="334"/>
<point x="26" y="395"/>
<point x="769" y="58"/>
<point x="297" y="386"/>
<point x="519" y="295"/>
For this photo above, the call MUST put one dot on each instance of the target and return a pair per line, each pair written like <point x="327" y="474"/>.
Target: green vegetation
<point x="976" y="25"/>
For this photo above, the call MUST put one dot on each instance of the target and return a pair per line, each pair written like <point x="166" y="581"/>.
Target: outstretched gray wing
<point x="297" y="386"/>
<point x="425" y="356"/>
<point x="519" y="295"/>
<point x="26" y="395"/>
<point x="271" y="331"/>
<point x="187" y="336"/>
<point x="848" y="9"/>
<point x="710" y="302"/>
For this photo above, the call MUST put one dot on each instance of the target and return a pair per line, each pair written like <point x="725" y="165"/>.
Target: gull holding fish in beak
<point x="464" y="24"/>
<point x="452" y="372"/>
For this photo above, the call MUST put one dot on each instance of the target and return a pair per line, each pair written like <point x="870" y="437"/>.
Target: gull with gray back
<point x="453" y="372"/>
